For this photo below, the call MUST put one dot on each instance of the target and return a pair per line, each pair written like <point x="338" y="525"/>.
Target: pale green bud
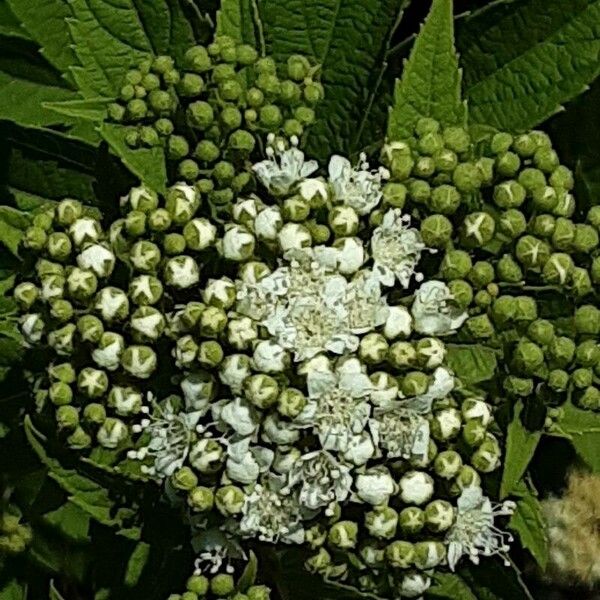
<point x="60" y="394"/>
<point x="199" y="234"/>
<point x="446" y="424"/>
<point x="241" y="332"/>
<point x="262" y="390"/>
<point x="400" y="554"/>
<point x="213" y="321"/>
<point x="185" y="351"/>
<point x="67" y="417"/>
<point x="478" y="229"/>
<point x="445" y="199"/>
<point x="62" y="339"/>
<point x="139" y="361"/>
<point x="373" y="348"/>
<point x="291" y="402"/>
<point x="92" y="382"/>
<point x="229" y="499"/>
<point x="25" y="294"/>
<point x="439" y="515"/>
<point x="79" y="439"/>
<point x="112" y="433"/>
<point x="436" y="231"/>
<point x="343" y="535"/>
<point x="207" y="456"/>
<point x="145" y="290"/>
<point x="68" y="211"/>
<point x="447" y="464"/>
<point x="84" y="230"/>
<point x="455" y="265"/>
<point x="112" y="304"/>
<point x="487" y="457"/>
<point x="52" y="286"/>
<point x="411" y="520"/>
<point x="381" y="522"/>
<point x="198" y="584"/>
<point x="159" y="220"/>
<point x="587" y="320"/>
<point x="184" y="479"/>
<point x="429" y="554"/>
<point x="125" y="400"/>
<point x="94" y="413"/>
<point x="467" y="477"/>
<point x="59" y="245"/>
<point x="402" y="354"/>
<point x="63" y="372"/>
<point x="147" y="324"/>
<point x="181" y="272"/>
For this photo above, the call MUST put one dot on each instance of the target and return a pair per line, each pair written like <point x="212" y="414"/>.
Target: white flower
<point x="170" y="434"/>
<point x="198" y="390"/>
<point x="398" y="322"/>
<point x="401" y="432"/>
<point x="321" y="478"/>
<point x="357" y="187"/>
<point x="269" y="357"/>
<point x="284" y="167"/>
<point x="338" y="406"/>
<point x="241" y="416"/>
<point x="366" y="308"/>
<point x="97" y="258"/>
<point x="245" y="463"/>
<point x="182" y="272"/>
<point x="474" y="532"/>
<point x="416" y="487"/>
<point x="268" y="222"/>
<point x="350" y="255"/>
<point x="360" y="449"/>
<point x="396" y="249"/>
<point x="237" y="243"/>
<point x="277" y="431"/>
<point x="433" y="311"/>
<point x="375" y="486"/>
<point x="314" y="190"/>
<point x="234" y="369"/>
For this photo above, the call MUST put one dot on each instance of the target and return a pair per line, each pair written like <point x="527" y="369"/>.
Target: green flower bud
<point x="135" y="223"/>
<point x="230" y="90"/>
<point x="509" y="270"/>
<point x="528" y="357"/>
<point x="424" y="167"/>
<point x="116" y="112"/>
<point x="588" y="353"/>
<point x="439" y="515"/>
<point x="444" y="199"/>
<point x="137" y="109"/>
<point x="445" y="160"/>
<point x="546" y="160"/>
<point x="563" y="234"/>
<point x="565" y="206"/>
<point x="411" y="520"/>
<point x="262" y="390"/>
<point x="543" y="226"/>
<point x="319" y="563"/>
<point x="436" y="231"/>
<point x="242" y="141"/>
<point x="581" y="284"/>
<point x="473" y="432"/>
<point x="457" y="139"/>
<point x="222" y="584"/>
<point x="188" y="170"/>
<point x="462" y="292"/>
<point x="480" y="326"/>
<point x="67" y="417"/>
<point x="586" y="238"/>
<point x="401" y="167"/>
<point x="532" y="252"/>
<point x="196" y="59"/>
<point x="467" y="178"/>
<point x="590" y="399"/>
<point x="446" y="464"/>
<point x="414" y="383"/>
<point x="291" y="402"/>
<point x="60" y="394"/>
<point x="525" y="145"/>
<point x="63" y="372"/>
<point x="200" y="114"/>
<point x="343" y="535"/>
<point x="139" y="361"/>
<point x="25" y="295"/>
<point x="313" y="93"/>
<point x="481" y="274"/>
<point x="181" y="272"/>
<point x="210" y="354"/>
<point x="35" y="238"/>
<point x="62" y="339"/>
<point x="545" y="198"/>
<point x="381" y="522"/>
<point x="229" y="499"/>
<point x="501" y="142"/>
<point x="562" y="351"/>
<point x="512" y="223"/>
<point x="430" y="352"/>
<point x="429" y="554"/>
<point x="593" y="217"/>
<point x="455" y="265"/>
<point x="160" y="102"/>
<point x="90" y="328"/>
<point x="595" y="270"/>
<point x="373" y="348"/>
<point x="125" y="400"/>
<point x="79" y="439"/>
<point x="446" y="424"/>
<point x="92" y="382"/>
<point x="562" y="178"/>
<point x="587" y="320"/>
<point x="59" y="246"/>
<point x="487" y="457"/>
<point x="400" y="554"/>
<point x="508" y="164"/>
<point x="509" y="194"/>
<point x="532" y="179"/>
<point x="558" y="269"/>
<point x="184" y="479"/>
<point x="143" y="199"/>
<point x="94" y="413"/>
<point x="164" y="127"/>
<point x="467" y="477"/>
<point x="61" y="310"/>
<point x="213" y="321"/>
<point x="258" y="592"/>
<point x="177" y="147"/>
<point x="270" y="117"/>
<point x="198" y="584"/>
<point x="297" y="67"/>
<point x="582" y="378"/>
<point x="44" y="220"/>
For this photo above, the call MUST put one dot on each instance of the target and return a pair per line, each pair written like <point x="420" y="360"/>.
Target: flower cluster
<point x="14" y="535"/>
<point x="511" y="247"/>
<point x="209" y="111"/>
<point x="284" y="372"/>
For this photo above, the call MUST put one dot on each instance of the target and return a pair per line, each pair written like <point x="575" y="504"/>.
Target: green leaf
<point x="236" y="18"/>
<point x="472" y="363"/>
<point x="13" y="590"/>
<point x="523" y="60"/>
<point x="22" y="101"/>
<point x="583" y="429"/>
<point x="92" y="109"/>
<point x="71" y="520"/>
<point x="451" y="587"/>
<point x="10" y="26"/>
<point x="430" y="84"/>
<point x="46" y="22"/>
<point x="350" y="51"/>
<point x="248" y="577"/>
<point x="137" y="562"/>
<point x="111" y="37"/>
<point x="83" y="492"/>
<point x="528" y="523"/>
<point x="520" y="447"/>
<point x="10" y="234"/>
<point x="146" y="163"/>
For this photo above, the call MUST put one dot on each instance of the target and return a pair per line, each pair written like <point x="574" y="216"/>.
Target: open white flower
<point x="357" y="187"/>
<point x="240" y="415"/>
<point x="396" y="249"/>
<point x="365" y="306"/>
<point x="474" y="533"/>
<point x="433" y="311"/>
<point x="245" y="463"/>
<point x="284" y="167"/>
<point x="338" y="406"/>
<point x="400" y="432"/>
<point x="321" y="478"/>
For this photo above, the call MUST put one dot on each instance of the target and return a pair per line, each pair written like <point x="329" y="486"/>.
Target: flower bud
<point x="588" y="353"/>
<point x="98" y="259"/>
<point x="381" y="522"/>
<point x="457" y="139"/>
<point x="416" y="487"/>
<point x="400" y="554"/>
<point x="444" y="199"/>
<point x="269" y="357"/>
<point x="200" y="114"/>
<point x="84" y="230"/>
<point x="446" y="424"/>
<point x="62" y="310"/>
<point x="94" y="413"/>
<point x="184" y="479"/>
<point x="414" y="383"/>
<point x="198" y="584"/>
<point x="59" y="246"/>
<point x="207" y="456"/>
<point x="402" y="354"/>
<point x="67" y="417"/>
<point x="590" y="399"/>
<point x="181" y="272"/>
<point x="455" y="265"/>
<point x="545" y="198"/>
<point x="212" y="321"/>
<point x="112" y="433"/>
<point x="473" y="432"/>
<point x="487" y="457"/>
<point x="112" y="304"/>
<point x="68" y="211"/>
<point x="512" y="223"/>
<point x="229" y="499"/>
<point x="61" y="339"/>
<point x="343" y="535"/>
<point x="79" y="439"/>
<point x="587" y="320"/>
<point x="586" y="238"/>
<point x="262" y="390"/>
<point x="480" y="327"/>
<point x="177" y="147"/>
<point x="477" y="229"/>
<point x="139" y="361"/>
<point x="222" y="584"/>
<point x="60" y="393"/>
<point x="291" y="402"/>
<point x="145" y="256"/>
<point x="373" y="348"/>
<point x="237" y="243"/>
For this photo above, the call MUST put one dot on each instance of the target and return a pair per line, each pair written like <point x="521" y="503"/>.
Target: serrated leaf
<point x="520" y="447"/>
<point x="46" y="23"/>
<point x="10" y="235"/>
<point x="472" y="363"/>
<point x="71" y="520"/>
<point x="431" y="80"/>
<point x="583" y="429"/>
<point x="83" y="492"/>
<point x="523" y="60"/>
<point x="10" y="26"/>
<point x="91" y="109"/>
<point x="137" y="562"/>
<point x="451" y="587"/>
<point x="350" y="51"/>
<point x="146" y="163"/>
<point x="528" y="523"/>
<point x="22" y="101"/>
<point x="112" y="37"/>
<point x="236" y="19"/>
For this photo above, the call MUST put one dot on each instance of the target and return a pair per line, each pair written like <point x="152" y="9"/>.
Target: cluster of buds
<point x="210" y="111"/>
<point x="514" y="243"/>
<point x="14" y="535"/>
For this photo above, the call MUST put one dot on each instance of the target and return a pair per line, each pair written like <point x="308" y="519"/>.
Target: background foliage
<point x="521" y="61"/>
